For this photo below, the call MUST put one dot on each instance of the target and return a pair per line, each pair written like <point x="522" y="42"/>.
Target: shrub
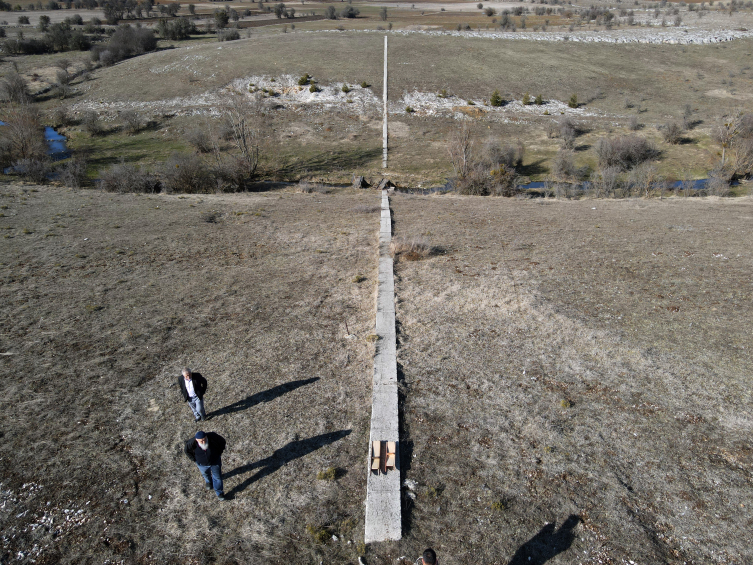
<point x="563" y="166"/>
<point x="349" y="12"/>
<point x="314" y="88"/>
<point x="199" y="139"/>
<point x="126" y="42"/>
<point x="605" y="182"/>
<point x="23" y="20"/>
<point x="345" y="88"/>
<point x="643" y="179"/>
<point x="61" y="116"/>
<point x="91" y="123"/>
<point x="634" y="124"/>
<point x="329" y="474"/>
<point x="14" y="88"/>
<point x="409" y="110"/>
<point x="672" y="132"/>
<point x="175" y="30"/>
<point x="567" y="132"/>
<point x="127" y="178"/>
<point x="526" y="99"/>
<point x="624" y="152"/>
<point x="22" y="136"/>
<point x="228" y="35"/>
<point x="494" y="155"/>
<point x="365" y="84"/>
<point x="186" y="174"/>
<point x="307" y="187"/>
<point x="496" y="99"/>
<point x="73" y="173"/>
<point x="304" y="80"/>
<point x="35" y="169"/>
<point x="131" y="121"/>
<point x="330" y="13"/>
<point x="718" y="182"/>
<point x="573" y="102"/>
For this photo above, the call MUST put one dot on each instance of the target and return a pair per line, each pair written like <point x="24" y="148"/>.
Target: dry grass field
<point x="576" y="380"/>
<point x="105" y="297"/>
<point x="185" y="81"/>
<point x="574" y="377"/>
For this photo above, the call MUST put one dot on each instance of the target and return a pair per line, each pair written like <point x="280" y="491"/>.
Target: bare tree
<point x="724" y="134"/>
<point x="14" y="89"/>
<point x="460" y="147"/>
<point x="22" y="137"/>
<point x="244" y="117"/>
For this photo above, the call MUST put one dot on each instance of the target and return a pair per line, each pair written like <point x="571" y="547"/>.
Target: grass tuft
<point x="329" y="474"/>
<point x="411" y="249"/>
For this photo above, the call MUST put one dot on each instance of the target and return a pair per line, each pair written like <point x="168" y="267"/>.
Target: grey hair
<point x="186" y="370"/>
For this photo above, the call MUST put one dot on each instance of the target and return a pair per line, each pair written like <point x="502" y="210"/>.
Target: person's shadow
<point x="546" y="544"/>
<point x="282" y="456"/>
<point x="263" y="396"/>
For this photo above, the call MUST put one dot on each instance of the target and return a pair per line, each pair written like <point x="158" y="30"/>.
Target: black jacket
<point x="199" y="385"/>
<point x="210" y="456"/>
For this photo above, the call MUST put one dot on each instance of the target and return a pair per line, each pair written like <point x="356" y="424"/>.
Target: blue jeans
<point x="212" y="477"/>
<point x="197" y="407"/>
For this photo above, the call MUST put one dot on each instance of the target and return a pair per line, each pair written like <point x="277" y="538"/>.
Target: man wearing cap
<point x="193" y="386"/>
<point x="205" y="449"/>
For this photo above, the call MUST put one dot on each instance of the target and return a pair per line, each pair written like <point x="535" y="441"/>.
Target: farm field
<point x="564" y="365"/>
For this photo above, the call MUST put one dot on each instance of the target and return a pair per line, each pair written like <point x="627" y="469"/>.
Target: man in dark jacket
<point x="193" y="386"/>
<point x="205" y="449"/>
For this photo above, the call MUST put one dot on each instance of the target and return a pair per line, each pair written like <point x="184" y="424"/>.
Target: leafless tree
<point x="460" y="147"/>
<point x="245" y="118"/>
<point x="14" y="88"/>
<point x="725" y="133"/>
<point x="22" y="137"/>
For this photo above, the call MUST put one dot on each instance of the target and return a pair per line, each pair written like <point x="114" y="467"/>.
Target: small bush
<point x="228" y="35"/>
<point x="563" y="166"/>
<point x="573" y="102"/>
<point x="14" y="88"/>
<point x="718" y="182"/>
<point x="410" y="249"/>
<point x="365" y="84"/>
<point x="409" y="110"/>
<point x="320" y="535"/>
<point x="624" y="152"/>
<point x="526" y="99"/>
<point x="23" y="20"/>
<point x="61" y="116"/>
<point x="73" y="173"/>
<point x="496" y="100"/>
<point x="199" y="139"/>
<point x="329" y="474"/>
<point x="672" y="132"/>
<point x="634" y="124"/>
<point x="131" y="121"/>
<point x="306" y="187"/>
<point x="91" y="123"/>
<point x="34" y="170"/>
<point x="186" y="174"/>
<point x="314" y="88"/>
<point x="345" y="88"/>
<point x="127" y="178"/>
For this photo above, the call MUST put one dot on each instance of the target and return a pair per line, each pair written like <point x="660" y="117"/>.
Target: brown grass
<point x="586" y="363"/>
<point x="97" y="324"/>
